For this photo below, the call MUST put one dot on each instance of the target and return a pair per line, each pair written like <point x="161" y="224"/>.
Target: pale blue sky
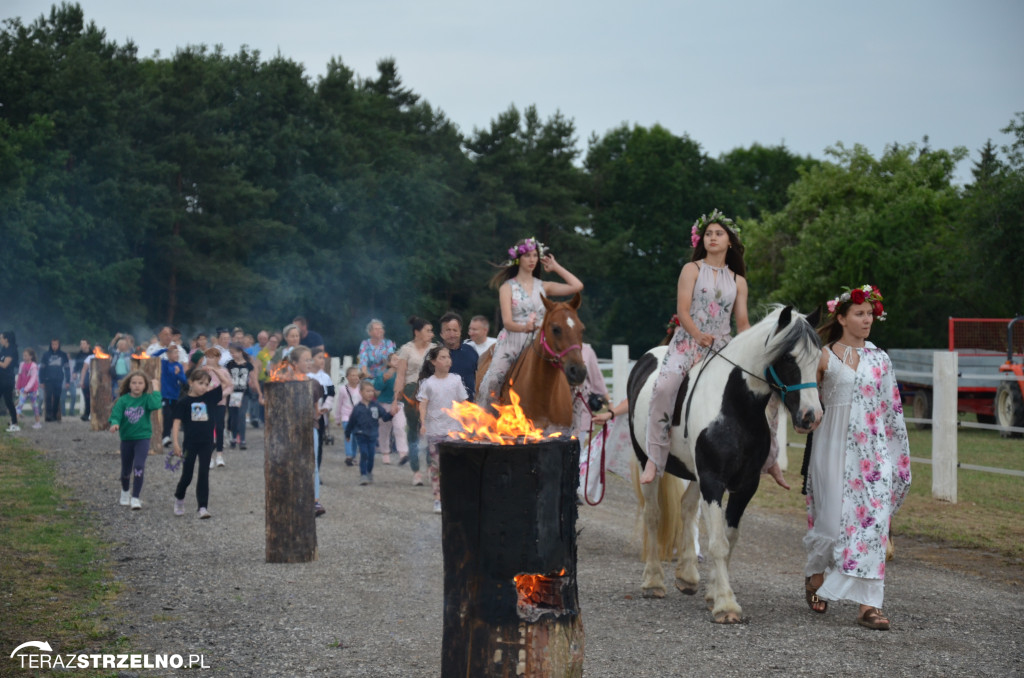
<point x="809" y="73"/>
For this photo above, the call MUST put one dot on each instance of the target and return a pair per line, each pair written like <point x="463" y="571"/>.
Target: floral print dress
<point x="711" y="308"/>
<point x="858" y="477"/>
<point x="374" y="358"/>
<point x="510" y="344"/>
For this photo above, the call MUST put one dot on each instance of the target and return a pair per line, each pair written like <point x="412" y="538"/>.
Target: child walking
<point x="384" y="383"/>
<point x="130" y="418"/>
<point x="325" y="404"/>
<point x="244" y="380"/>
<point x="193" y="415"/>
<point x="363" y="427"/>
<point x="439" y="388"/>
<point x="345" y="403"/>
<point x="28" y="384"/>
<point x="172" y="378"/>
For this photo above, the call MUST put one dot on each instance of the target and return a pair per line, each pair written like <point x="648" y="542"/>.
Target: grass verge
<point x="55" y="579"/>
<point x="988" y="515"/>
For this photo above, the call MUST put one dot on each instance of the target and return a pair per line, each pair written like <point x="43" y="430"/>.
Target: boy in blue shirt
<point x="364" y="424"/>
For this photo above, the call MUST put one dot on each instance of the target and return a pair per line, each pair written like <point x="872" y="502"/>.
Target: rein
<point x="771" y="378"/>
<point x="590" y="438"/>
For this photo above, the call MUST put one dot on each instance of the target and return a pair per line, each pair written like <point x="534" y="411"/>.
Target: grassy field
<point x="988" y="515"/>
<point x="55" y="578"/>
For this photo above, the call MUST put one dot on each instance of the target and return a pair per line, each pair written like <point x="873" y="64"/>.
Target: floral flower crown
<point x="858" y="295"/>
<point x="716" y="217"/>
<point x="528" y="245"/>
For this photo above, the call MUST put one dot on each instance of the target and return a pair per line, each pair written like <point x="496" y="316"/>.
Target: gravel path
<point x="371" y="605"/>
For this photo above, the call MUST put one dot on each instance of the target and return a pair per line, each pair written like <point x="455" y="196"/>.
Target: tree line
<point x="212" y="188"/>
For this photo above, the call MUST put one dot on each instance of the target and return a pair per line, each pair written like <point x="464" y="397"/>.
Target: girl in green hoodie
<point x="130" y="418"/>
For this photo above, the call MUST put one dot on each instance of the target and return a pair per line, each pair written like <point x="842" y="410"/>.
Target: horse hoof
<point x="727" y="618"/>
<point x="657" y="592"/>
<point x="686" y="587"/>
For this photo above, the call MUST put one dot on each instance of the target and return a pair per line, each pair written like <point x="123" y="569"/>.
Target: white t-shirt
<point x="440" y="394"/>
<point x="480" y="348"/>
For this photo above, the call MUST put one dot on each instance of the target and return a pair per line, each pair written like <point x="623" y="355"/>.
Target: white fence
<point x="945" y="422"/>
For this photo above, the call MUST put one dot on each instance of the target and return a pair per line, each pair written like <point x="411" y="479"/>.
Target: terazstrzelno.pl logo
<point x="37" y="654"/>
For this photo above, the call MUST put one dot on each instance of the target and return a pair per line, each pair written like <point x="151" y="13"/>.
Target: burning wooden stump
<point x="288" y="472"/>
<point x="511" y="605"/>
<point x="100" y="391"/>
<point x="151" y="368"/>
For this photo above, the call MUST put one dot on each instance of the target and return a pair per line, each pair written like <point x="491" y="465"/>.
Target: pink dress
<point x="714" y="294"/>
<point x="510" y="344"/>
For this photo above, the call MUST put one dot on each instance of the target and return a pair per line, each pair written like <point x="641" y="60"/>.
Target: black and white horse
<point x="720" y="438"/>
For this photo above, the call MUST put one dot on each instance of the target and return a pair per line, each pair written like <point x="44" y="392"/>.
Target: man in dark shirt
<point x="464" y="356"/>
<point x="310" y="339"/>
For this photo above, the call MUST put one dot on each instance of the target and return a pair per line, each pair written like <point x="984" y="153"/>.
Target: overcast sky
<point x="728" y="73"/>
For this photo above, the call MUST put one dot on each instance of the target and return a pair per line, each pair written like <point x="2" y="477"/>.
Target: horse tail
<point x="670" y="524"/>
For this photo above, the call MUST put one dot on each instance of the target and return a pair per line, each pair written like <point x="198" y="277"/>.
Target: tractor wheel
<point x="1009" y="407"/>
<point x="922" y="405"/>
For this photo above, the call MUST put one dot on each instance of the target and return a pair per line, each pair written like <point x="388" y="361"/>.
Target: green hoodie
<point x="132" y="415"/>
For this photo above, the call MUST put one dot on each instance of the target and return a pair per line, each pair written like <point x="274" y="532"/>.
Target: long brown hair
<point x="733" y="255"/>
<point x="831" y="331"/>
<point x="127" y="381"/>
<point x="510" y="270"/>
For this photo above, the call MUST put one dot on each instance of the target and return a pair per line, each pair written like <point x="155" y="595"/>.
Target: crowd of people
<point x="395" y="400"/>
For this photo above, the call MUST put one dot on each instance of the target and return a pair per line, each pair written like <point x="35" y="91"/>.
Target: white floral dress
<point x="510" y="344"/>
<point x="858" y="477"/>
<point x="711" y="305"/>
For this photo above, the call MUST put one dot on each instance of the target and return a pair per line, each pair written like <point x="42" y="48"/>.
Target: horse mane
<point x="798" y="336"/>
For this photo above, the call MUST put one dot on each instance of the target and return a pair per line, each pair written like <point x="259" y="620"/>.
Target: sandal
<point x="873" y="618"/>
<point x="811" y="595"/>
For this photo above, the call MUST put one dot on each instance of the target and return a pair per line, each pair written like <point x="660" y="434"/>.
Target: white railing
<point x="945" y="422"/>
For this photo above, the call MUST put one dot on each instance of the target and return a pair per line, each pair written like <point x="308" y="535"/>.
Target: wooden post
<point x="509" y="511"/>
<point x="151" y="368"/>
<point x="100" y="397"/>
<point x="288" y="471"/>
<point x="944" y="426"/>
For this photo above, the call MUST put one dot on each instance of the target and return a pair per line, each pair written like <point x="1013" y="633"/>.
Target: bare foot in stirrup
<point x="650" y="472"/>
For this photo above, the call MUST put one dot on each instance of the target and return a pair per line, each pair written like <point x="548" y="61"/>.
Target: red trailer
<point x="984" y="346"/>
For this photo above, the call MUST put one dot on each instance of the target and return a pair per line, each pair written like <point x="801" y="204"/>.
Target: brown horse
<point x="547" y="369"/>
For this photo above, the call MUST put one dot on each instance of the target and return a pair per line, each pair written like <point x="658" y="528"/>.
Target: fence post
<point x="620" y="371"/>
<point x="944" y="425"/>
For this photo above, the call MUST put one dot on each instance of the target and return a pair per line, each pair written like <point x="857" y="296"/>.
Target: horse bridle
<point x="770" y="376"/>
<point x="556" y="358"/>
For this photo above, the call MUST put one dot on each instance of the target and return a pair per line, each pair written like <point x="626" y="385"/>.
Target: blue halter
<point x="773" y="380"/>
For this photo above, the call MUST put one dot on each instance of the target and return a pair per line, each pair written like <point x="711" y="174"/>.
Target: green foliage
<point x="859" y="219"/>
<point x="212" y="189"/>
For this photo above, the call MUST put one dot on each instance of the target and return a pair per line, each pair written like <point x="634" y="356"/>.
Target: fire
<point x="509" y="428"/>
<point x="284" y="372"/>
<point x="539" y="590"/>
<point x="98" y="352"/>
<point x="140" y="356"/>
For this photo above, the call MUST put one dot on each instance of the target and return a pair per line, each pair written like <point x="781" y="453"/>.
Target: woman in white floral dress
<point x="859" y="468"/>
<point x="710" y="291"/>
<point x="519" y="294"/>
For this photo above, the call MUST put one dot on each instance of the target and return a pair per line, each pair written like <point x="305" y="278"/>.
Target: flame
<point x="98" y="352"/>
<point x="534" y="589"/>
<point x="140" y="356"/>
<point x="509" y="428"/>
<point x="284" y="372"/>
